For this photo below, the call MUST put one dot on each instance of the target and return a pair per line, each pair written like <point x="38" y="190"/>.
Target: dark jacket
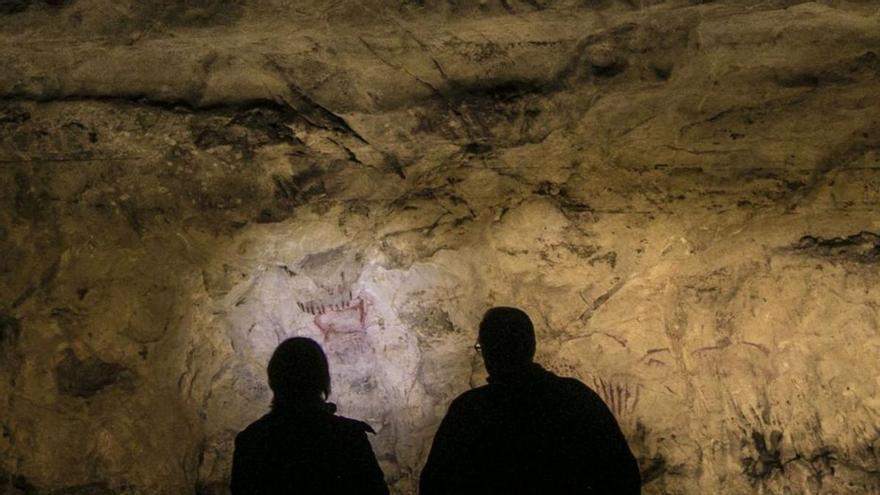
<point x="530" y="432"/>
<point x="305" y="450"/>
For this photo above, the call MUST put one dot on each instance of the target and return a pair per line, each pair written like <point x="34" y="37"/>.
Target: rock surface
<point x="684" y="195"/>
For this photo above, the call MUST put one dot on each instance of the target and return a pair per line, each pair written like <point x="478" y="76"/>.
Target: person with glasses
<point x="527" y="431"/>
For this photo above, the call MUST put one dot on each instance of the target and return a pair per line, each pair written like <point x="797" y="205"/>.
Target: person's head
<point x="298" y="372"/>
<point x="507" y="340"/>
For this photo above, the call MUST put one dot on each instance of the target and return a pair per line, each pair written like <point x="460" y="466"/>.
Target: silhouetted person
<point x="301" y="447"/>
<point x="528" y="431"/>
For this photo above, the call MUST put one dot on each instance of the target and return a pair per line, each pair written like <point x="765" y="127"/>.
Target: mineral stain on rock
<point x="13" y="6"/>
<point x="768" y="459"/>
<point x="652" y="468"/>
<point x="10" y="330"/>
<point x="12" y="114"/>
<point x="247" y="130"/>
<point x="97" y="488"/>
<point x="84" y="378"/>
<point x="16" y="6"/>
<point x="298" y="188"/>
<point x="192" y="12"/>
<point x="16" y="484"/>
<point x="31" y="199"/>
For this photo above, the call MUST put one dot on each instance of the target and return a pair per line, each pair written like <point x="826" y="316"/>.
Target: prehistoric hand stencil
<point x="762" y="442"/>
<point x="621" y="398"/>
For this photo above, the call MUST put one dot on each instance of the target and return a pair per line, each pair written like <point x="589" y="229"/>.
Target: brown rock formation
<point x="685" y="195"/>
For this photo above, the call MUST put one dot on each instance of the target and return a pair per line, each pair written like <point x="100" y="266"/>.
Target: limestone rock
<point x="683" y="195"/>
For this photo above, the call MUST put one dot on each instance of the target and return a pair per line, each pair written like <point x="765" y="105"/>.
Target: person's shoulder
<point x="352" y="426"/>
<point x="471" y="402"/>
<point x="573" y="386"/>
<point x="471" y="397"/>
<point x="570" y="382"/>
<point x="254" y="431"/>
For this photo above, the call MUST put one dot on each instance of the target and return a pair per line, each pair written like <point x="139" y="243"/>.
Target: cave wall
<point x="685" y="196"/>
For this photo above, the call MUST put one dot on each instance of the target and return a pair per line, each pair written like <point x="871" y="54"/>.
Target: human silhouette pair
<point x="527" y="431"/>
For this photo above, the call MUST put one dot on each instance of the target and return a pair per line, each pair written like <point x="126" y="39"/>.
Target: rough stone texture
<point x="684" y="195"/>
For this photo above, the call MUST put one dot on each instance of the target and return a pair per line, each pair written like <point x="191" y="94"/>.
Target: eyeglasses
<point x="478" y="348"/>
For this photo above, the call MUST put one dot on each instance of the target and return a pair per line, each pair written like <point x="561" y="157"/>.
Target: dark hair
<point x="298" y="372"/>
<point x="507" y="338"/>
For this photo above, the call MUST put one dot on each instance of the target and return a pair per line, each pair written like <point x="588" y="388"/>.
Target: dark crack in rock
<point x="863" y="247"/>
<point x="863" y="66"/>
<point x="606" y="65"/>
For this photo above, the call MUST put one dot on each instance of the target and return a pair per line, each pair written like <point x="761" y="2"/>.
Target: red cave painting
<point x="336" y="315"/>
<point x="621" y="397"/>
